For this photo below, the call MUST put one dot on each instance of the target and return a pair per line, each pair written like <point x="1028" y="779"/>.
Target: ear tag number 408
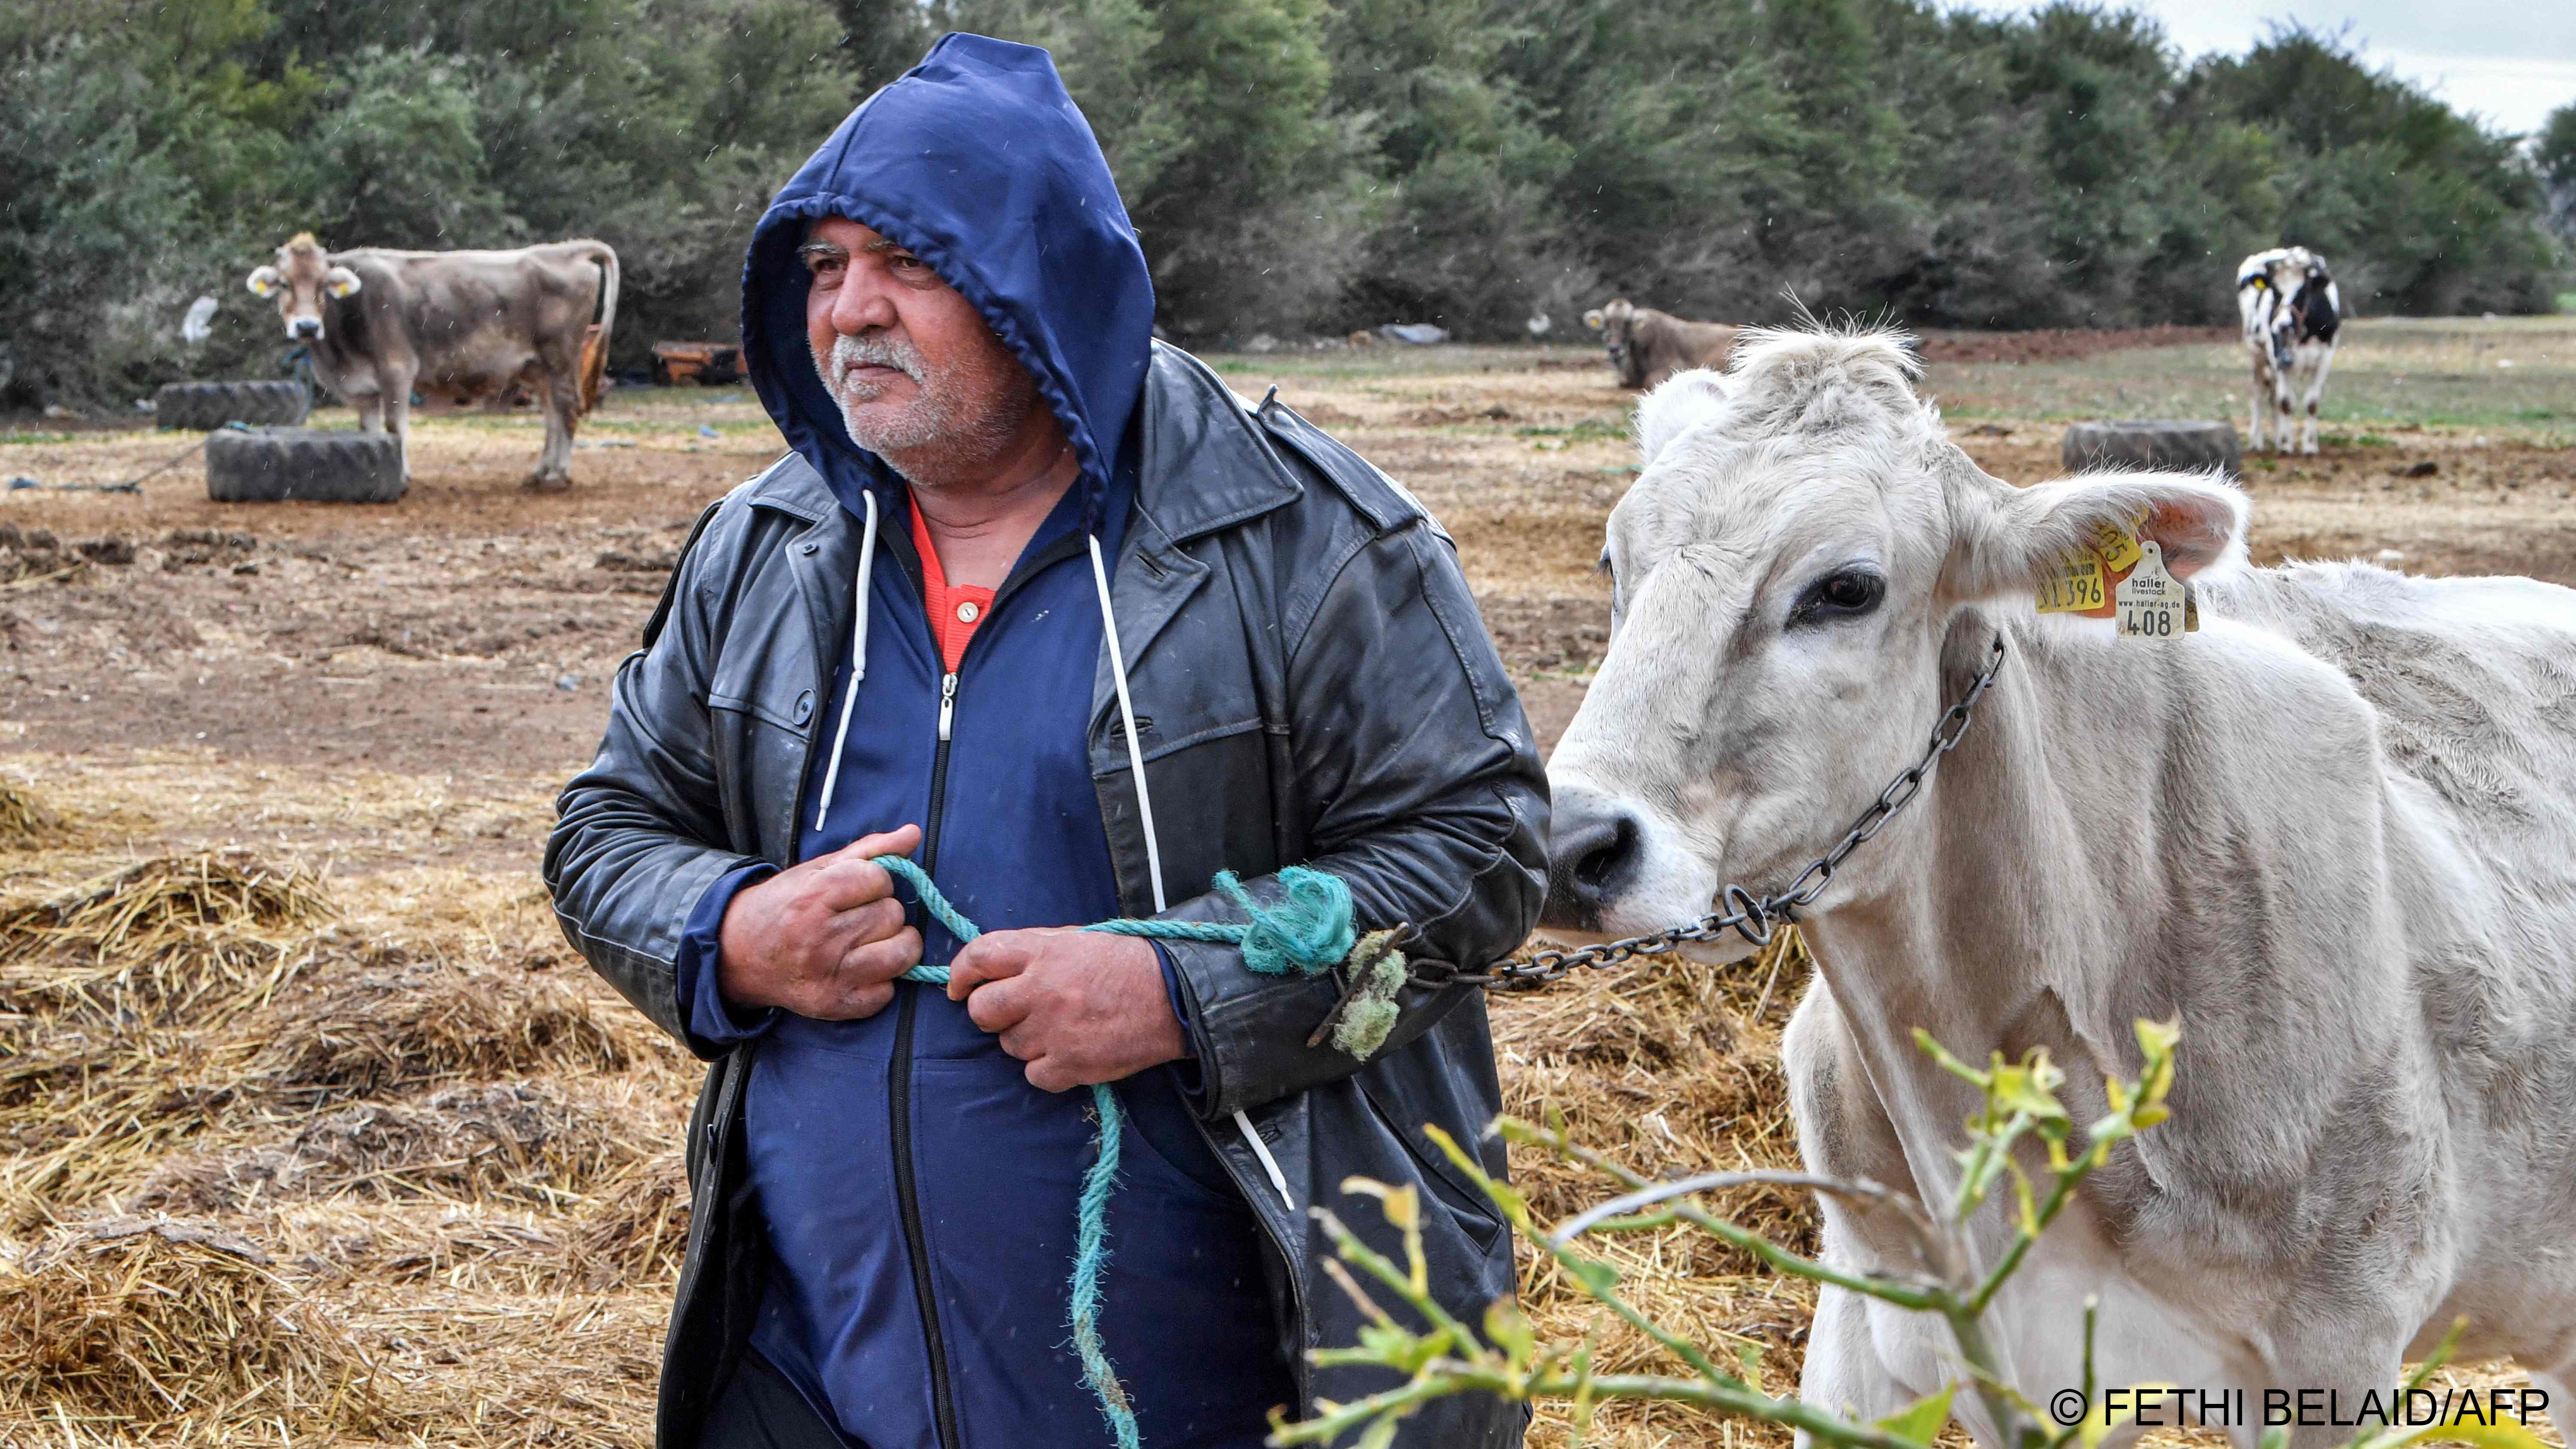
<point x="2150" y="601"/>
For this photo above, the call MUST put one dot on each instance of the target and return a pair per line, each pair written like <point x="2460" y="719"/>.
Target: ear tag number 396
<point x="2075" y="586"/>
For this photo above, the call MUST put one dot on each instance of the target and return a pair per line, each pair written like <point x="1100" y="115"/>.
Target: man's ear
<point x="1592" y="319"/>
<point x="1678" y="404"/>
<point x="264" y="282"/>
<point x="2016" y="536"/>
<point x="340" y="281"/>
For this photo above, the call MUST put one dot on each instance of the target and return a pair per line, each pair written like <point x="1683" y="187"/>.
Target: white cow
<point x="2333" y="831"/>
<point x="2291" y="312"/>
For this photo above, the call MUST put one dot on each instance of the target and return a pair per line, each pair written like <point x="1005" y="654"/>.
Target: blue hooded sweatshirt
<point x="919" y="1193"/>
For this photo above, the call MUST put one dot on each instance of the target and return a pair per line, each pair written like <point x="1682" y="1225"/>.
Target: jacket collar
<point x="1205" y="466"/>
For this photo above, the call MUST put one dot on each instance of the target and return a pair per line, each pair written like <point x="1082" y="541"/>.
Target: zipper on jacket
<point x="939" y="773"/>
<point x="943" y="1395"/>
<point x="943" y="1399"/>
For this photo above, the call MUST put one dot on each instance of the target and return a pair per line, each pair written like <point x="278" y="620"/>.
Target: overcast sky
<point x="2509" y="61"/>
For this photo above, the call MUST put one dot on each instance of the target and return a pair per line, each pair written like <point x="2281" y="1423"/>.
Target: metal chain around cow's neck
<point x="1742" y="912"/>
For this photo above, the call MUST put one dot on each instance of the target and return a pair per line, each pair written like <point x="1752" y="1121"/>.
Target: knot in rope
<point x="1307" y="933"/>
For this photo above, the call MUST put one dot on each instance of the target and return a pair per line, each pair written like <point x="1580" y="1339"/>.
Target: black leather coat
<point x="1312" y="684"/>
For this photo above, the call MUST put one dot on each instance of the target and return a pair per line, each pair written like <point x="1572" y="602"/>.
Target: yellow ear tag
<point x="2075" y="586"/>
<point x="2082" y="582"/>
<point x="2118" y="544"/>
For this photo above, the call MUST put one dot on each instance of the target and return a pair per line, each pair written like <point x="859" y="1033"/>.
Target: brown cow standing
<point x="463" y="327"/>
<point x="1647" y="346"/>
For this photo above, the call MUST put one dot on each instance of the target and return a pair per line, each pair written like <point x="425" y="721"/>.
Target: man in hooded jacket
<point x="1036" y="601"/>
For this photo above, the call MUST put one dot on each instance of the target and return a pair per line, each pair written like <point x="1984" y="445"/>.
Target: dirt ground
<point x="387" y="698"/>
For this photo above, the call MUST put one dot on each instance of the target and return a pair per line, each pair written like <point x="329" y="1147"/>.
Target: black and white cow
<point x="2291" y="312"/>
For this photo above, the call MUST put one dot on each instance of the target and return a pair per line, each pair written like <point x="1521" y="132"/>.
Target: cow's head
<point x="1804" y="574"/>
<point x="300" y="279"/>
<point x="2282" y="293"/>
<point x="1617" y="324"/>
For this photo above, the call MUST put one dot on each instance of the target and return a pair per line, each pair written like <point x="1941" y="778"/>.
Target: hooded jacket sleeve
<point x="640" y="836"/>
<point x="1432" y="807"/>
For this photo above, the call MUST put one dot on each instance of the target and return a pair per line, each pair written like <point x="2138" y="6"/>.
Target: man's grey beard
<point x="941" y="427"/>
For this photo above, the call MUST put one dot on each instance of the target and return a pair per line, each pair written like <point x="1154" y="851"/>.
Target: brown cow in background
<point x="455" y="327"/>
<point x="1647" y="346"/>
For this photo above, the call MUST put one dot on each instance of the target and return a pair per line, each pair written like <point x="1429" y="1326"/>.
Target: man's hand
<point x="1078" y="1006"/>
<point x="825" y="938"/>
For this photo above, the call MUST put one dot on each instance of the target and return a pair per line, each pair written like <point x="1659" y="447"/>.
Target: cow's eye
<point x="1842" y="594"/>
<point x="1607" y="570"/>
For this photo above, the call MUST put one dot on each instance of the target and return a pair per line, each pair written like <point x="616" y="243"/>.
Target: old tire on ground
<point x="319" y="464"/>
<point x="2181" y="447"/>
<point x="206" y="406"/>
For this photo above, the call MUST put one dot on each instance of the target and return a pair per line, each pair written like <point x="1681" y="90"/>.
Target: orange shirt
<point x="955" y="609"/>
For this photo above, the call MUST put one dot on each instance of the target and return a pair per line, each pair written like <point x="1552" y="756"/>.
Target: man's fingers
<point x="902" y="840"/>
<point x="848" y="881"/>
<point x="859" y="1002"/>
<point x="878" y="962"/>
<point x="1048" y="1075"/>
<point x="851" y="877"/>
<point x="993" y="956"/>
<point x="999" y="1007"/>
<point x="878" y="920"/>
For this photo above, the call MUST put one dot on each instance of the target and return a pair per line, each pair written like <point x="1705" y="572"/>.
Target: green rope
<point x="1308" y="933"/>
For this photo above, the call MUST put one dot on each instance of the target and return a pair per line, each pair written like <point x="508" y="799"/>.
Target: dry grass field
<point x="312" y="1129"/>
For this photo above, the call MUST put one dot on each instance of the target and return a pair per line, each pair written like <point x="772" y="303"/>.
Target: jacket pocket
<point x="1476" y="1214"/>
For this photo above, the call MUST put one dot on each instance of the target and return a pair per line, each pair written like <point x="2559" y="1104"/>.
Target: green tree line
<point x="1293" y="166"/>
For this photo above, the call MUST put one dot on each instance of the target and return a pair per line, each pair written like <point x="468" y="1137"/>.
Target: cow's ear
<point x="340" y="281"/>
<point x="264" y="282"/>
<point x="1678" y="404"/>
<point x="2013" y="537"/>
<point x="1592" y="319"/>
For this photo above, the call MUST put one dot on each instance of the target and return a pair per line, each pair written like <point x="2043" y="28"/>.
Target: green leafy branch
<point x="2018" y="1106"/>
<point x="2018" y="1115"/>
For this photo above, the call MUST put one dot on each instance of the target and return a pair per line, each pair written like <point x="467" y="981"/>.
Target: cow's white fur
<point x="2334" y="833"/>
<point x="2289" y="365"/>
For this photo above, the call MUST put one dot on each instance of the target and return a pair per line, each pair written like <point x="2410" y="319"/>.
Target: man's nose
<point x="1592" y="857"/>
<point x="861" y="305"/>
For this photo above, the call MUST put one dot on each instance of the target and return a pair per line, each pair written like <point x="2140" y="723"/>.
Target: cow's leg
<point x="2261" y="407"/>
<point x="1843" y="1132"/>
<point x="363" y="388"/>
<point x="2347" y="1371"/>
<point x="561" y="393"/>
<point x="397" y="401"/>
<point x="1843" y="1374"/>
<point x="2316" y="392"/>
<point x="2562" y="1410"/>
<point x="2283" y="420"/>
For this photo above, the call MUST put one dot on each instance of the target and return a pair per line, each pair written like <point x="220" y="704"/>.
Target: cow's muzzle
<point x="1594" y="849"/>
<point x="304" y="329"/>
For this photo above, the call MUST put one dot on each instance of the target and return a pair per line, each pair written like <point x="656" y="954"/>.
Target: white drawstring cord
<point x="858" y="657"/>
<point x="1127" y="717"/>
<point x="1153" y="850"/>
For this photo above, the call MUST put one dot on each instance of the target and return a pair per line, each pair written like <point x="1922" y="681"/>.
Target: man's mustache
<point x="850" y="352"/>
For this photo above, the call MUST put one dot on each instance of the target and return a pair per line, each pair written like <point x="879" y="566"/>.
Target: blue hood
<point x="978" y="162"/>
